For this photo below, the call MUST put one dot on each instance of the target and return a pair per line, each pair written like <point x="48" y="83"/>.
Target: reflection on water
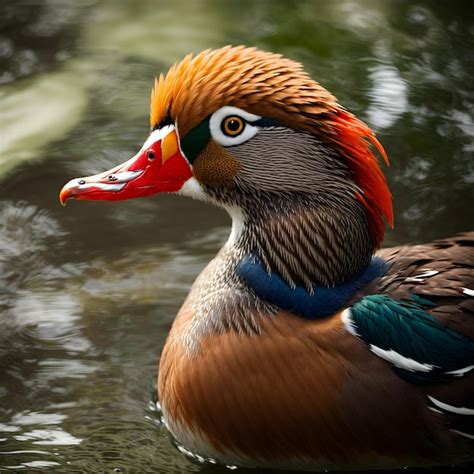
<point x="87" y="293"/>
<point x="388" y="96"/>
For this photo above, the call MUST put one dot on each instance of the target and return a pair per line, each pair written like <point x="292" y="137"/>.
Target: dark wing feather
<point x="440" y="273"/>
<point x="437" y="278"/>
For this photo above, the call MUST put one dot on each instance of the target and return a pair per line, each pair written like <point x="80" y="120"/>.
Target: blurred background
<point x="88" y="292"/>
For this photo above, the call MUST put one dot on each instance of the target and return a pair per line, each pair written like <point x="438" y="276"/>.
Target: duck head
<point x="250" y="131"/>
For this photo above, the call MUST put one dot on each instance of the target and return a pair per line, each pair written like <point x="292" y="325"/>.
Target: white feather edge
<point x="460" y="372"/>
<point x="400" y="361"/>
<point x="421" y="277"/>
<point x="451" y="408"/>
<point x="349" y="324"/>
<point x="461" y="433"/>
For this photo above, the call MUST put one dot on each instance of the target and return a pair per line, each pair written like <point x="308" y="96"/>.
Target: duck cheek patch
<point x="215" y="167"/>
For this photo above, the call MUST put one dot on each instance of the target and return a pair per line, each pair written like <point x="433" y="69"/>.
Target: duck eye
<point x="151" y="155"/>
<point x="232" y="126"/>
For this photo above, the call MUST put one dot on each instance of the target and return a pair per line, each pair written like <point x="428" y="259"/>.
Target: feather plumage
<point x="248" y="375"/>
<point x="382" y="378"/>
<point x="271" y="86"/>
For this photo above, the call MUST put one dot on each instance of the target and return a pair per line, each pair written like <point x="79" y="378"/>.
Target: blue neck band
<point x="322" y="302"/>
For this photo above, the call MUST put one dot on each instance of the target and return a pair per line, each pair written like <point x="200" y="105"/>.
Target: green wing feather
<point x="405" y="334"/>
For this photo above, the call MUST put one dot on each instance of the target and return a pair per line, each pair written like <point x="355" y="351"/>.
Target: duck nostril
<point x="112" y="177"/>
<point x="82" y="181"/>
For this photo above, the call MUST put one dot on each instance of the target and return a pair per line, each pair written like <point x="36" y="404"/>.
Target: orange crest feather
<point x="353" y="139"/>
<point x="260" y="82"/>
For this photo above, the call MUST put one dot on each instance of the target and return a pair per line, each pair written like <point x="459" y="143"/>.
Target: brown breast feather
<point x="301" y="391"/>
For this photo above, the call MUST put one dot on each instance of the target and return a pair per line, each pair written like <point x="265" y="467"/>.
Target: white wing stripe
<point x="460" y="372"/>
<point x="450" y="408"/>
<point x="467" y="435"/>
<point x="400" y="361"/>
<point x="346" y="318"/>
<point x="421" y="277"/>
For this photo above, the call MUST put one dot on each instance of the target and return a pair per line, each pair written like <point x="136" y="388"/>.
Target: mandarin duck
<point x="300" y="346"/>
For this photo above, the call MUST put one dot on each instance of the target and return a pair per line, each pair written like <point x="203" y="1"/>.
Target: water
<point x="88" y="292"/>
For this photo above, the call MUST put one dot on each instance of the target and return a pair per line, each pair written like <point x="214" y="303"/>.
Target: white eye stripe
<point x="220" y="137"/>
<point x="156" y="135"/>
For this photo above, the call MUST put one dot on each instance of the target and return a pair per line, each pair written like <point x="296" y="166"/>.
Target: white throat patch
<point x="191" y="188"/>
<point x="238" y="224"/>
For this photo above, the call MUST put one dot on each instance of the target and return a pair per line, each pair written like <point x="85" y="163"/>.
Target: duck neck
<point x="308" y="242"/>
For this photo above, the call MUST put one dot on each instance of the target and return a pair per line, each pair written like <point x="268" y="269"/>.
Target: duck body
<point x="274" y="389"/>
<point x="301" y="345"/>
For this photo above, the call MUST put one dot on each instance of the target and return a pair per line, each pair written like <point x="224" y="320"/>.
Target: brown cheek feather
<point x="215" y="167"/>
<point x="291" y="393"/>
